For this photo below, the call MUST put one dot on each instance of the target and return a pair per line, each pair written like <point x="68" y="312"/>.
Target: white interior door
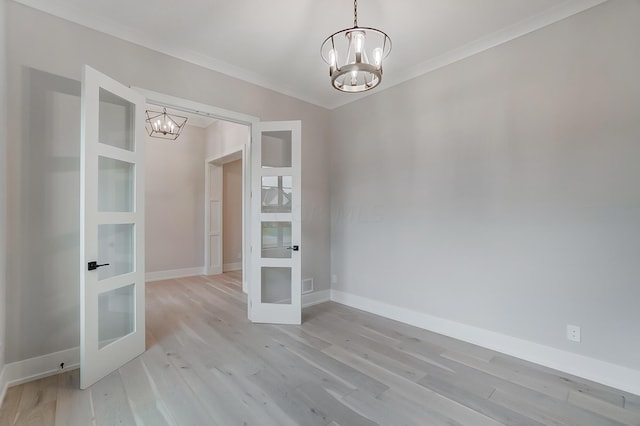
<point x="214" y="227"/>
<point x="275" y="286"/>
<point x="112" y="329"/>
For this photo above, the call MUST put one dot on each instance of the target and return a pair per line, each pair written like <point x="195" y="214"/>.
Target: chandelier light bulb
<point x="358" y="40"/>
<point x="377" y="57"/>
<point x="332" y="61"/>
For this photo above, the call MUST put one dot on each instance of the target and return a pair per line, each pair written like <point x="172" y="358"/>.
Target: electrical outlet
<point x="573" y="333"/>
<point x="334" y="279"/>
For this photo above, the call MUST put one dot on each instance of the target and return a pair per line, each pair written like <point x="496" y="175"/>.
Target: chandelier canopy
<point x="355" y="56"/>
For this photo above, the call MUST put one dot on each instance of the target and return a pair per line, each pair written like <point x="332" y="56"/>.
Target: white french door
<point x="112" y="313"/>
<point x="275" y="293"/>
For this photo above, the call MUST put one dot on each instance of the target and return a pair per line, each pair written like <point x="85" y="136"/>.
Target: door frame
<point x="181" y="104"/>
<point x="213" y="177"/>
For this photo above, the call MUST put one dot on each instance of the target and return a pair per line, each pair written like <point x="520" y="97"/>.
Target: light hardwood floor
<point x="207" y="365"/>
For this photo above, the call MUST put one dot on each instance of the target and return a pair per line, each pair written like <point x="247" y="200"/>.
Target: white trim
<point x="173" y="273"/>
<point x="35" y="368"/>
<point x="228" y="267"/>
<point x="122" y="32"/>
<point x="315" y="298"/>
<point x="213" y="209"/>
<point x="609" y="374"/>
<point x="548" y="17"/>
<point x="213" y="270"/>
<point x="219" y="160"/>
<point x="3" y="384"/>
<point x="512" y="32"/>
<point x="181" y="104"/>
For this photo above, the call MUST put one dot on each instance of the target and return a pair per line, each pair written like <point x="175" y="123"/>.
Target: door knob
<point x="94" y="265"/>
<point x="294" y="248"/>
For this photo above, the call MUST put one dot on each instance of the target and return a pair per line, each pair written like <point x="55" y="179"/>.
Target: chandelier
<point x="163" y="125"/>
<point x="355" y="56"/>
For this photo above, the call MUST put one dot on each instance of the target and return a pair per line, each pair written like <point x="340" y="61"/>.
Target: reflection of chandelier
<point x="163" y="125"/>
<point x="356" y="66"/>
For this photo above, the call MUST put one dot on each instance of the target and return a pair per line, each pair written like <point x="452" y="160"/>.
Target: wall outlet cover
<point x="573" y="333"/>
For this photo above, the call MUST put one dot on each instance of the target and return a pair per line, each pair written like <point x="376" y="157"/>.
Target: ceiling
<point x="276" y="43"/>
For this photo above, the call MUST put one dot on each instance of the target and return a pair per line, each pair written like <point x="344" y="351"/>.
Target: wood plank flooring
<point x="207" y="365"/>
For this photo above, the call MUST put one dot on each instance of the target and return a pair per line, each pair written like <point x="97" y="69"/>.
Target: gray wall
<point x="503" y="191"/>
<point x="174" y="201"/>
<point x="43" y="153"/>
<point x="43" y="215"/>
<point x="3" y="182"/>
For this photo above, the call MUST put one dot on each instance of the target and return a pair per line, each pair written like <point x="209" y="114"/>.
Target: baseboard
<point x="173" y="273"/>
<point x="228" y="267"/>
<point x="316" y="298"/>
<point x="3" y="384"/>
<point x="609" y="374"/>
<point x="213" y="270"/>
<point x="19" y="372"/>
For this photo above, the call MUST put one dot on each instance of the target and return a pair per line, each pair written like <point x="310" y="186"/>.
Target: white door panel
<point x="112" y="315"/>
<point x="275" y="294"/>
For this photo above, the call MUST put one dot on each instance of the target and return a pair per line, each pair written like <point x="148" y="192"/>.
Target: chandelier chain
<point x="355" y="13"/>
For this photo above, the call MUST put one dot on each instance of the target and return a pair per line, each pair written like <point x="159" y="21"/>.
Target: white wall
<point x="224" y="137"/>
<point x="43" y="152"/>
<point x="502" y="191"/>
<point x="174" y="197"/>
<point x="232" y="214"/>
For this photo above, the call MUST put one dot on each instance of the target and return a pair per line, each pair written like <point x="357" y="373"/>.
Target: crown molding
<point x="127" y="34"/>
<point x="526" y="26"/>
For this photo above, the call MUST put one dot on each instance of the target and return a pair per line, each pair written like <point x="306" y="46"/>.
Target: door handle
<point x="294" y="248"/>
<point x="94" y="265"/>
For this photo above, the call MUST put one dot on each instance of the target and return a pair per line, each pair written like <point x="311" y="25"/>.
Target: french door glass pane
<point x="276" y="238"/>
<point x="116" y="183"/>
<point x="116" y="121"/>
<point x="276" y="285"/>
<point x="276" y="194"/>
<point x="116" y="314"/>
<point x="276" y="149"/>
<point x="115" y="247"/>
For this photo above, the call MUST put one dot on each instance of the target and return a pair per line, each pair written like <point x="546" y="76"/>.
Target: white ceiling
<point x="276" y="43"/>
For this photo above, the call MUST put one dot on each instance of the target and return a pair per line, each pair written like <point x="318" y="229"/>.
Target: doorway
<point x="225" y="208"/>
<point x="234" y="135"/>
